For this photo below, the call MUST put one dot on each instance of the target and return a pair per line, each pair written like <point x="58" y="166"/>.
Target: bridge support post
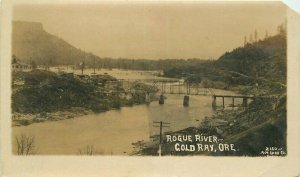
<point x="223" y="103"/>
<point x="147" y="98"/>
<point x="187" y="88"/>
<point x="161" y="99"/>
<point x="186" y="100"/>
<point x="214" y="103"/>
<point x="245" y="102"/>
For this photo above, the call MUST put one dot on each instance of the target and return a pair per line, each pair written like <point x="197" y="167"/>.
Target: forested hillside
<point x="257" y="69"/>
<point x="261" y="63"/>
<point x="259" y="58"/>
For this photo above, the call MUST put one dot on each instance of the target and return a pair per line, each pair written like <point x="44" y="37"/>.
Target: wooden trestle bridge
<point x="183" y="88"/>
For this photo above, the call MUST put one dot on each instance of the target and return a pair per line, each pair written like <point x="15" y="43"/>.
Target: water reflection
<point x="114" y="131"/>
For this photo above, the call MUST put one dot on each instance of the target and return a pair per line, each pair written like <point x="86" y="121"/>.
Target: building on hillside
<point x="18" y="66"/>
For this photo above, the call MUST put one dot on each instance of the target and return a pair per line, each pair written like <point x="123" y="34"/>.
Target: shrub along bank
<point x="41" y="91"/>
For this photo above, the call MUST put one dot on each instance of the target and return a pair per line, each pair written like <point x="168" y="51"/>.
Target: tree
<point x="255" y="36"/>
<point x="250" y="38"/>
<point x="281" y="29"/>
<point x="245" y="40"/>
<point x="33" y="64"/>
<point x="89" y="150"/>
<point x="205" y="84"/>
<point x="25" y="144"/>
<point x="14" y="59"/>
<point x="50" y="62"/>
<point x="267" y="34"/>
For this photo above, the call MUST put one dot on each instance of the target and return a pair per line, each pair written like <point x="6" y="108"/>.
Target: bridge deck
<point x="234" y="96"/>
<point x="240" y="96"/>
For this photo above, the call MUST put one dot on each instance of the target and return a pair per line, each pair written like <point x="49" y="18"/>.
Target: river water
<point x="114" y="131"/>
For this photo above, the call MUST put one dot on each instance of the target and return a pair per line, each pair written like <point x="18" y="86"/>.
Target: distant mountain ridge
<point x="31" y="43"/>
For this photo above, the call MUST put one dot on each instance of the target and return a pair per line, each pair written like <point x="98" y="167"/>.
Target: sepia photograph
<point x="149" y="79"/>
<point x="149" y="88"/>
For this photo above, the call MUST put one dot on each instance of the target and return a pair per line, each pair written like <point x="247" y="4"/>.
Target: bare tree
<point x="255" y="36"/>
<point x="89" y="150"/>
<point x="245" y="40"/>
<point x="267" y="34"/>
<point x="25" y="144"/>
<point x="250" y="38"/>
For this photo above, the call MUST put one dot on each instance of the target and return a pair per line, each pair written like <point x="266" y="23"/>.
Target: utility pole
<point x="94" y="66"/>
<point x="187" y="87"/>
<point x="82" y="67"/>
<point x="160" y="124"/>
<point x="255" y="36"/>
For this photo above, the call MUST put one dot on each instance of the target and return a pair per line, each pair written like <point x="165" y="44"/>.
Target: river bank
<point x="113" y="114"/>
<point x="22" y="119"/>
<point x="19" y="119"/>
<point x="114" y="131"/>
<point x="250" y="131"/>
<point x="41" y="95"/>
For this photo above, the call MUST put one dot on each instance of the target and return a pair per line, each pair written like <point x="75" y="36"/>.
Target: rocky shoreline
<point x="20" y="119"/>
<point x="250" y="130"/>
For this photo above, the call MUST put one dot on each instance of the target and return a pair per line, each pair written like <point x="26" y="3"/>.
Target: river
<point x="114" y="131"/>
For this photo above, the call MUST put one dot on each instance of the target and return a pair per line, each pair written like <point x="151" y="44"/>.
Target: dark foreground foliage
<point x="44" y="91"/>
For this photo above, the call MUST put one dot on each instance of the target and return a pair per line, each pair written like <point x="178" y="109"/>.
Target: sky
<point x="156" y="30"/>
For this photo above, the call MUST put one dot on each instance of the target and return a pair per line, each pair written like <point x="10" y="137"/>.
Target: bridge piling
<point x="161" y="99"/>
<point x="245" y="102"/>
<point x="223" y="103"/>
<point x="187" y="90"/>
<point x="214" y="103"/>
<point x="147" y="98"/>
<point x="186" y="100"/>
